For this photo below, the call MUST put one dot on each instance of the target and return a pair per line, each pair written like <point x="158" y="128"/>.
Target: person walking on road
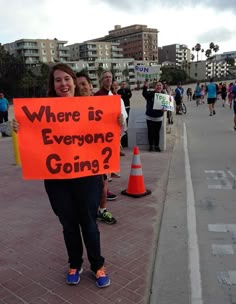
<point x="233" y="90"/>
<point x="179" y="92"/>
<point x="211" y="96"/>
<point x="75" y="201"/>
<point x="223" y="94"/>
<point x="197" y="93"/>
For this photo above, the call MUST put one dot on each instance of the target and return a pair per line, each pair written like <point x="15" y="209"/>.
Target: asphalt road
<point x="197" y="251"/>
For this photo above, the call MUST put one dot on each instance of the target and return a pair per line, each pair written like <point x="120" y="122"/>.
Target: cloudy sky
<point x="178" y="21"/>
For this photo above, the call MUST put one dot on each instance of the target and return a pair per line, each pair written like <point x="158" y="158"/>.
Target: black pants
<point x="154" y="128"/>
<point x="76" y="202"/>
<point x="3" y="116"/>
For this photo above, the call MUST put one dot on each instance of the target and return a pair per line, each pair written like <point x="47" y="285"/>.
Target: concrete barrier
<point x="137" y="130"/>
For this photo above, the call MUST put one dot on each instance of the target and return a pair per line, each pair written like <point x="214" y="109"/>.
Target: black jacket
<point x="149" y="96"/>
<point x="126" y="94"/>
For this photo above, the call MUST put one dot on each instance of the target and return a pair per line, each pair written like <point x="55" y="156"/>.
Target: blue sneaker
<point x="73" y="276"/>
<point x="102" y="279"/>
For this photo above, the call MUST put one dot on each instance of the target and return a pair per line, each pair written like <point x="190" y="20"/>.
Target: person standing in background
<point x="154" y="117"/>
<point x="167" y="90"/>
<point x="126" y="94"/>
<point x="103" y="214"/>
<point x="4" y="107"/>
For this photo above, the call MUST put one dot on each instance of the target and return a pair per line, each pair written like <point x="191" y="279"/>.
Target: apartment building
<point x="122" y="69"/>
<point x="225" y="55"/>
<point x="137" y="41"/>
<point x="207" y="69"/>
<point x="34" y="51"/>
<point x="90" y="51"/>
<point x="176" y="53"/>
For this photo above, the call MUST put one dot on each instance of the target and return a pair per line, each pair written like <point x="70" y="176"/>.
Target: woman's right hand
<point x="15" y="125"/>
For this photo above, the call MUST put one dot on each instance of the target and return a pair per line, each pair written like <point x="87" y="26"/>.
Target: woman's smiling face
<point x="63" y="84"/>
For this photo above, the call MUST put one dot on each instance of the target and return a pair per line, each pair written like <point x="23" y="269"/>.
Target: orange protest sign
<point x="68" y="137"/>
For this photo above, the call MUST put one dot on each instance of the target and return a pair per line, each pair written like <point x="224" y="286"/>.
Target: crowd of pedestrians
<point x="222" y="92"/>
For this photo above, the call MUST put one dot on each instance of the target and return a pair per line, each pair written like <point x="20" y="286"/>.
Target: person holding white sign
<point x="154" y="117"/>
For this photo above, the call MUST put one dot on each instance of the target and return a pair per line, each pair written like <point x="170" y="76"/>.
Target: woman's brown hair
<point x="65" y="68"/>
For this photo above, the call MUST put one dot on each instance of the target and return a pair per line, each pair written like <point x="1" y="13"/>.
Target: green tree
<point x="28" y="84"/>
<point x="173" y="75"/>
<point x="11" y="70"/>
<point x="42" y="79"/>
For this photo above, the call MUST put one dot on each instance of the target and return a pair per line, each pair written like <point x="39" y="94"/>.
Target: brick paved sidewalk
<point x="33" y="260"/>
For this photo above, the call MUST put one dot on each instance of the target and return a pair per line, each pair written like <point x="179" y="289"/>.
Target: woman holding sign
<point x="75" y="201"/>
<point x="154" y="117"/>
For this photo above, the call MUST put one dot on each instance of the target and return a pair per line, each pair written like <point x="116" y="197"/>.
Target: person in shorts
<point x="211" y="97"/>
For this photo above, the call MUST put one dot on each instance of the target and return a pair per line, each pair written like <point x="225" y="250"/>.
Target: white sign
<point x="163" y="101"/>
<point x="144" y="72"/>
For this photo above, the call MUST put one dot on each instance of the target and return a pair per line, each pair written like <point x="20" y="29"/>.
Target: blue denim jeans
<point x="76" y="202"/>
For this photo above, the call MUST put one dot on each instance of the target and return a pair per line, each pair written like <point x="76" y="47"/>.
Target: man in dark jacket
<point x="126" y="94"/>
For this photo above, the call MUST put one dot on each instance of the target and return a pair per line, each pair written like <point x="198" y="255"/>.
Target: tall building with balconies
<point x="34" y="51"/>
<point x="176" y="53"/>
<point x="91" y="51"/>
<point x="137" y="41"/>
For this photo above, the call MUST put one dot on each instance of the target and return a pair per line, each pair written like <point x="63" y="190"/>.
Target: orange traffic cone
<point x="136" y="186"/>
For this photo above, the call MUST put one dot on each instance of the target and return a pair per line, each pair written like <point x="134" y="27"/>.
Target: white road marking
<point x="219" y="176"/>
<point x="222" y="228"/>
<point x="227" y="277"/>
<point x="220" y="250"/>
<point x="193" y="248"/>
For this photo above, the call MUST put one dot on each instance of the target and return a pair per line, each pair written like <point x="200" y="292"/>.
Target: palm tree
<point x="211" y="46"/>
<point x="215" y="48"/>
<point x="202" y="50"/>
<point x="197" y="48"/>
<point x="208" y="53"/>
